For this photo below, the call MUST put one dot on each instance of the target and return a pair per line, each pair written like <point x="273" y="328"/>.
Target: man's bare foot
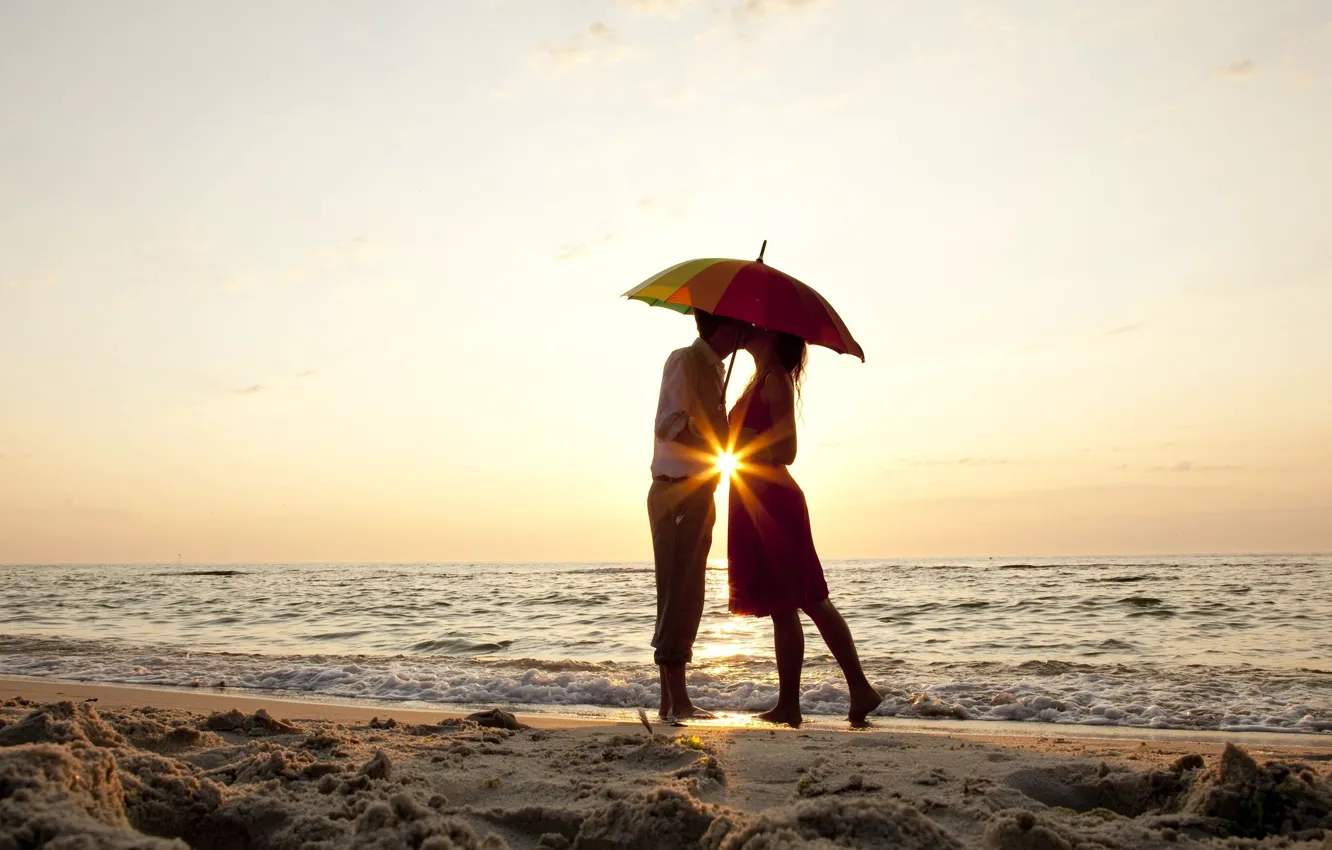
<point x="785" y="715"/>
<point x="861" y="705"/>
<point x="691" y="712"/>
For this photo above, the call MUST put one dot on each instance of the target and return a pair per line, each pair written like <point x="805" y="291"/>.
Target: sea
<point x="1228" y="643"/>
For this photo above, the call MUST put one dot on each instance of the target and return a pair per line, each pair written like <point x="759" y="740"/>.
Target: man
<point x="690" y="432"/>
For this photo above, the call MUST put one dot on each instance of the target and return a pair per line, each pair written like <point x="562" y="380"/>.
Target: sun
<point x="727" y="464"/>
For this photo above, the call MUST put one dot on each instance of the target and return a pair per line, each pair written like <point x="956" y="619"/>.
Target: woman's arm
<point x="779" y="394"/>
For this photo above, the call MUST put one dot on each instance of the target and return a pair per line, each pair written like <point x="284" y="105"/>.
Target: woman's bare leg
<point x="789" y="641"/>
<point x="837" y="634"/>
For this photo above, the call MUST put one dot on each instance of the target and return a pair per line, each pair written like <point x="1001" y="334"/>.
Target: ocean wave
<point x="1141" y="601"/>
<point x="1051" y="691"/>
<point x="203" y="573"/>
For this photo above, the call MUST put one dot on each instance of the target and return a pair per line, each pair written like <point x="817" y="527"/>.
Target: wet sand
<point x="211" y="699"/>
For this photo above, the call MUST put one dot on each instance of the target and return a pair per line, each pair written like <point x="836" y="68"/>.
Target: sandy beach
<point x="101" y="766"/>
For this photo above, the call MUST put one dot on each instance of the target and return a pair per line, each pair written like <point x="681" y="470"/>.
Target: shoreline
<point x="117" y="696"/>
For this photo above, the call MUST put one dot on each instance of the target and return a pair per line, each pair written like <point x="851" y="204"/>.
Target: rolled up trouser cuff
<point x="672" y="657"/>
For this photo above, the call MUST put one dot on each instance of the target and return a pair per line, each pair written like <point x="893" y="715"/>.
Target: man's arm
<point x="677" y="419"/>
<point x="673" y="402"/>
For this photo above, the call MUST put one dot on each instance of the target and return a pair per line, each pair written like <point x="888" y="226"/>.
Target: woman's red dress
<point x="770" y="554"/>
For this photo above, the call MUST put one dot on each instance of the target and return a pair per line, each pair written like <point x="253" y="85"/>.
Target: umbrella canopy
<point x="752" y="291"/>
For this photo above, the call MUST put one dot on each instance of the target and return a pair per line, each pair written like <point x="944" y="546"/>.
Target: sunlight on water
<point x="1200" y="642"/>
<point x="721" y="635"/>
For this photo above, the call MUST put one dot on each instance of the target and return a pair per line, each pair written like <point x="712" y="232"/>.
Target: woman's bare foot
<point x="783" y="714"/>
<point x="862" y="703"/>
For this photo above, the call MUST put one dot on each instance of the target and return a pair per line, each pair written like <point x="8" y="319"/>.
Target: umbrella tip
<point x="762" y="250"/>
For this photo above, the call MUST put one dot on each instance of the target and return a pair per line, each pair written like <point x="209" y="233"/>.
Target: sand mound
<point x="65" y="796"/>
<point x="1274" y="799"/>
<point x="375" y="819"/>
<point x="544" y="821"/>
<point x="1018" y="829"/>
<point x="379" y="767"/>
<point x="84" y="785"/>
<point x="164" y="796"/>
<point x="147" y="732"/>
<point x="669" y="818"/>
<point x="259" y="723"/>
<point x="660" y="819"/>
<point x="496" y="718"/>
<point x="1235" y="797"/>
<point x="832" y="823"/>
<point x="61" y="723"/>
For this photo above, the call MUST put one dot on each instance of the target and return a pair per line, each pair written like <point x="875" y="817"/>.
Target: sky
<point x="310" y="281"/>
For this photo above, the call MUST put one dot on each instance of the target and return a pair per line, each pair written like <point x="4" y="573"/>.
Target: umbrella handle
<point x="740" y="337"/>
<point x="726" y="383"/>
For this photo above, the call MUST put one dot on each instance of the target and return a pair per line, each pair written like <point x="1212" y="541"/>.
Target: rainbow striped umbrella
<point x="751" y="291"/>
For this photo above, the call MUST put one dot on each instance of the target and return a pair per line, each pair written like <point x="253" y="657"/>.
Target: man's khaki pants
<point x="682" y="515"/>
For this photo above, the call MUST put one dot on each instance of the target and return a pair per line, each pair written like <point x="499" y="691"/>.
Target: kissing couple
<point x="772" y="566"/>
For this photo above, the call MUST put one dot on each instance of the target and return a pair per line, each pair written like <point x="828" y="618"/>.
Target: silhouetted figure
<point x="774" y="569"/>
<point x="690" y="430"/>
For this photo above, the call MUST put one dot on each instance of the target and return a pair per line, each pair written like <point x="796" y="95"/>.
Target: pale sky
<point x="339" y="281"/>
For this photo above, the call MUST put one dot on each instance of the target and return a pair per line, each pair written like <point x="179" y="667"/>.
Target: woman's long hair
<point x="790" y="352"/>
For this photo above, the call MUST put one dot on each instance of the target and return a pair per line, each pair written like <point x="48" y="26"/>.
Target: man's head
<point x="722" y="334"/>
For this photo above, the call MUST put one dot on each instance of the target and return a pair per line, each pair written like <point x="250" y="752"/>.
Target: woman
<point x="774" y="570"/>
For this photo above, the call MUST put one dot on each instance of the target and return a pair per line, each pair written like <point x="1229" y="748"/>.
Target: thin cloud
<point x="1126" y="329"/>
<point x="307" y="373"/>
<point x="1238" y="70"/>
<point x="741" y="9"/>
<point x="1185" y="466"/>
<point x="70" y="506"/>
<point x="250" y="390"/>
<point x="673" y="205"/>
<point x="574" y="250"/>
<point x="596" y="44"/>
<point x="349" y="252"/>
<point x="358" y="247"/>
<point x="40" y="281"/>
<point x="669" y="8"/>
<point x="961" y="461"/>
<point x="339" y="259"/>
<point x="987" y="20"/>
<point x="760" y="8"/>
